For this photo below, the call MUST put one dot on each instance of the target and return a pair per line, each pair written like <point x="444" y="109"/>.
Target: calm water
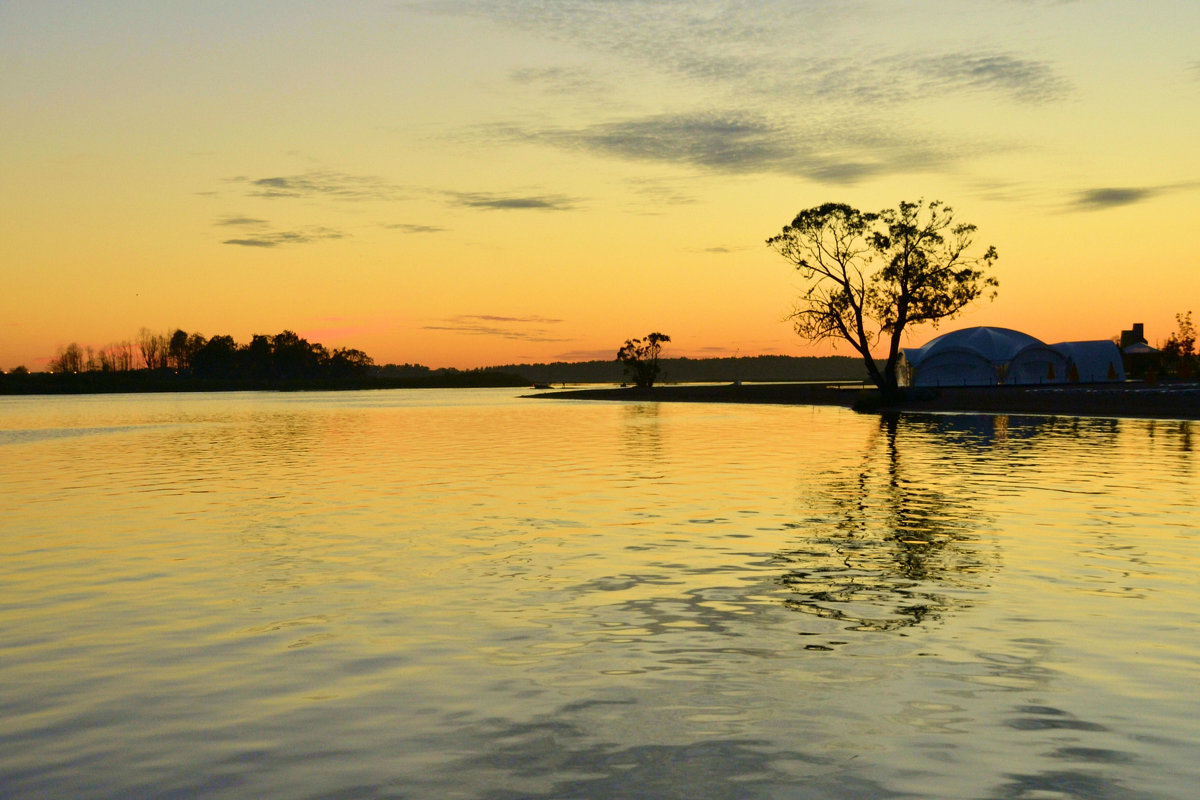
<point x="434" y="594"/>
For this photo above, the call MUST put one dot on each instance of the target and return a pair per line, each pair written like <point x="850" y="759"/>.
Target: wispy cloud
<point x="1021" y="79"/>
<point x="743" y="142"/>
<point x="407" y="227"/>
<point x="776" y="50"/>
<point x="587" y="355"/>
<point x="558" y="80"/>
<point x="1115" y="196"/>
<point x="796" y="87"/>
<point x="503" y="202"/>
<point x="236" y="221"/>
<point x="657" y="192"/>
<point x="255" y="232"/>
<point x="276" y="238"/>
<point x="527" y="328"/>
<point x="729" y="142"/>
<point x="320" y="183"/>
<point x="1111" y="197"/>
<point x="533" y="319"/>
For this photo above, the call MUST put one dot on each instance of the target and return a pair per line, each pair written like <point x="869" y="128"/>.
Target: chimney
<point x="1135" y="335"/>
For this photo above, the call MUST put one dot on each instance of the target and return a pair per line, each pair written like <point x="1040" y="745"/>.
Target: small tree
<point x="153" y="347"/>
<point x="871" y="275"/>
<point x="70" y="359"/>
<point x="177" y="353"/>
<point x="1179" y="353"/>
<point x="346" y="362"/>
<point x="640" y="358"/>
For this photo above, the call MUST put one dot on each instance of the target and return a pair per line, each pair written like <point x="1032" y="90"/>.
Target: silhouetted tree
<point x="123" y="357"/>
<point x="217" y="358"/>
<point x="194" y="342"/>
<point x="294" y="357"/>
<point x="265" y="361"/>
<point x="69" y="359"/>
<point x="1179" y="352"/>
<point x="640" y="358"/>
<point x="873" y="274"/>
<point x="177" y="352"/>
<point x="153" y="347"/>
<point x="254" y="360"/>
<point x="348" y="362"/>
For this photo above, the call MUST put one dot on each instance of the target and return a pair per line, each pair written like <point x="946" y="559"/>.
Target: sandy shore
<point x="1164" y="401"/>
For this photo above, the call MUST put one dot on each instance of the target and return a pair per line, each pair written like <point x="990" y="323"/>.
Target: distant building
<point x="1132" y="336"/>
<point x="1141" y="360"/>
<point x="986" y="356"/>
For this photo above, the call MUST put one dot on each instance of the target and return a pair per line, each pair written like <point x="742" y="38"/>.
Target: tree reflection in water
<point x="896" y="541"/>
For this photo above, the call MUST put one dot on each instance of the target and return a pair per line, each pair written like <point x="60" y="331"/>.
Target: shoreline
<point x="1136" y="400"/>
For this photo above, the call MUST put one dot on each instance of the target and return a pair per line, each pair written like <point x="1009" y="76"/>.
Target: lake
<point x="466" y="594"/>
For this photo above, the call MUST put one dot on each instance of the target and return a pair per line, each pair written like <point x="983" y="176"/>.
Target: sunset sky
<point x="495" y="181"/>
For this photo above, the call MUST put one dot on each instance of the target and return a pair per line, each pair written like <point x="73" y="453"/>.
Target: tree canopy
<point x="640" y="358"/>
<point x="870" y="275"/>
<point x="1179" y="351"/>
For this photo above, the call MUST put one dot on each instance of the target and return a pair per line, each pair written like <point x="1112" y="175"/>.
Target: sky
<point x="503" y="181"/>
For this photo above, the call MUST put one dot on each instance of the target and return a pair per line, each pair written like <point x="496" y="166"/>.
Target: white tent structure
<point x="1037" y="364"/>
<point x="988" y="356"/>
<point x="1093" y="362"/>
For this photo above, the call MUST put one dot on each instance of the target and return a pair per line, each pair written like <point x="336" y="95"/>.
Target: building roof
<point x="994" y="344"/>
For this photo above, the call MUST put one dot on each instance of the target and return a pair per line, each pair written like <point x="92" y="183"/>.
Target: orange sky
<point x="495" y="181"/>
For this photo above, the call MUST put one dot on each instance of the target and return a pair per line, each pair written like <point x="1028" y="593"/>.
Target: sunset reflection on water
<point x="469" y="594"/>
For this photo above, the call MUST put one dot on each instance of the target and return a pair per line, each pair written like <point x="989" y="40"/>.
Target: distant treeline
<point x="284" y="356"/>
<point x="182" y="361"/>
<point x="701" y="370"/>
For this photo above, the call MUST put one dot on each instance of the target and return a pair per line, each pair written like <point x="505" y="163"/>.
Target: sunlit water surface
<point x="464" y="594"/>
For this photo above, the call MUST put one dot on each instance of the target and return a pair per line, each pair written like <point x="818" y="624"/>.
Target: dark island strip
<point x="165" y="380"/>
<point x="1154" y="401"/>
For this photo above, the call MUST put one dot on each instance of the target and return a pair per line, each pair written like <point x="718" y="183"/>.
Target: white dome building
<point x="991" y="356"/>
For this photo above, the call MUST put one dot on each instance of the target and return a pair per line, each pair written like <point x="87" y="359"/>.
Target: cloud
<point x="800" y="88"/>
<point x="587" y="355"/>
<point x="320" y="183"/>
<point x="495" y="318"/>
<point x="256" y="242"/>
<point x="240" y="221"/>
<point x="742" y="142"/>
<point x="410" y="228"/>
<point x="780" y="51"/>
<point x="528" y="329"/>
<point x="656" y="192"/>
<point x="729" y="142"/>
<point x="260" y="233"/>
<point x="1098" y="199"/>
<point x="1021" y="79"/>
<point x="558" y="80"/>
<point x="498" y="202"/>
<point x="1115" y="196"/>
<point x="268" y="238"/>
